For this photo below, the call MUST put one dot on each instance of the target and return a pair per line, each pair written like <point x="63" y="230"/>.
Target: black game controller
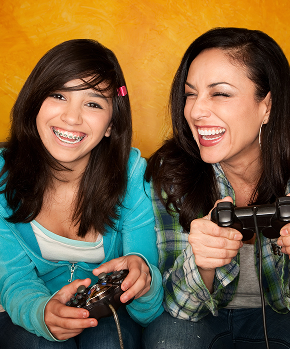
<point x="270" y="218"/>
<point x="97" y="297"/>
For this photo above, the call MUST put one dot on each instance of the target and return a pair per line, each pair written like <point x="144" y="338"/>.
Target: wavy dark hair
<point x="29" y="167"/>
<point x="177" y="167"/>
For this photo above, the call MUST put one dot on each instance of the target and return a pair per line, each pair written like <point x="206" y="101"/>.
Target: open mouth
<point x="68" y="137"/>
<point x="211" y="134"/>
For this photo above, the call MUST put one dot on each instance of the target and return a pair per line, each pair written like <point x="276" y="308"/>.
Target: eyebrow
<point x="98" y="95"/>
<point x="211" y="85"/>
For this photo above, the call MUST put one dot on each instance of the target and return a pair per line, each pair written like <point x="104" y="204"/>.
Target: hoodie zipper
<point x="72" y="270"/>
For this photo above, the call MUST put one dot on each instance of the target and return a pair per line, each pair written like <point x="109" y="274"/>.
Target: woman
<point x="231" y="140"/>
<point x="73" y="205"/>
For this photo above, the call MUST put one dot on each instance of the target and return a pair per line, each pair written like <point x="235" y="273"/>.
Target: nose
<point x="199" y="108"/>
<point x="72" y="115"/>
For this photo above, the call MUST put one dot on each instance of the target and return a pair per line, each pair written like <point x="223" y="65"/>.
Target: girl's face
<point x="222" y="110"/>
<point x="71" y="123"/>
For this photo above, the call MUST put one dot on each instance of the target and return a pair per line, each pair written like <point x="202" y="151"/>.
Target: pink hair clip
<point x="122" y="91"/>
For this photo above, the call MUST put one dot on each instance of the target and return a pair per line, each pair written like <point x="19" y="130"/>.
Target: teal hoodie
<point x="28" y="281"/>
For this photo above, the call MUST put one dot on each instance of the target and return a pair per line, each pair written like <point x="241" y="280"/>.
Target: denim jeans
<point x="104" y="336"/>
<point x="231" y="329"/>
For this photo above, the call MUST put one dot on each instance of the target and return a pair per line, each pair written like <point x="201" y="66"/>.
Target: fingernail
<point x="124" y="286"/>
<point x="93" y="323"/>
<point x="85" y="314"/>
<point x="124" y="299"/>
<point x="237" y="237"/>
<point x="284" y="232"/>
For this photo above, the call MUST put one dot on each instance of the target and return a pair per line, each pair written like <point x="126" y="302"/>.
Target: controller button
<point x="225" y="217"/>
<point x="75" y="301"/>
<point x="79" y="296"/>
<point x="102" y="276"/>
<point x="284" y="212"/>
<point x="81" y="289"/>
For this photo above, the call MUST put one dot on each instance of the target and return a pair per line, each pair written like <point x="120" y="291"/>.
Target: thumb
<point x="227" y="198"/>
<point x="66" y="292"/>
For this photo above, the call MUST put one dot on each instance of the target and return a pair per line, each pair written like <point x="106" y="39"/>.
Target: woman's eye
<point x="57" y="96"/>
<point x="190" y="95"/>
<point x="94" y="105"/>
<point x="222" y="94"/>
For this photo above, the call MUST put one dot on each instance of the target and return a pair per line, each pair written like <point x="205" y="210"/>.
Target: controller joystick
<point x="96" y="299"/>
<point x="270" y="218"/>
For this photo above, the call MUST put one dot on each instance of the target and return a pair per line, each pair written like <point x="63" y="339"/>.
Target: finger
<point x="138" y="289"/>
<point x="219" y="242"/>
<point x="112" y="265"/>
<point x="285" y="230"/>
<point x="59" y="310"/>
<point x="212" y="263"/>
<point x="216" y="253"/>
<point x="212" y="229"/>
<point x="136" y="266"/>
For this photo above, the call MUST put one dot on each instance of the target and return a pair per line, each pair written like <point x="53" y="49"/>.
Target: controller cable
<point x="117" y="324"/>
<point x="255" y="209"/>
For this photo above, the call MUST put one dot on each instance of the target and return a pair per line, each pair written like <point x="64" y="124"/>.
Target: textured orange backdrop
<point x="149" y="38"/>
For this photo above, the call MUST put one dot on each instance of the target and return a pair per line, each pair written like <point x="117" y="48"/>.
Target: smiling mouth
<point x="68" y="137"/>
<point x="211" y="134"/>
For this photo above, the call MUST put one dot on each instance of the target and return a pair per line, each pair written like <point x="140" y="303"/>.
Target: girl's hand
<point x="65" y="322"/>
<point x="137" y="282"/>
<point x="213" y="246"/>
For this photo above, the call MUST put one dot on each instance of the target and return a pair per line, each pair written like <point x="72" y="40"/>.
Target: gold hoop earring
<point x="260" y="130"/>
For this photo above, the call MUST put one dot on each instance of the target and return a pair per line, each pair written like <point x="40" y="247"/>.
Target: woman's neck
<point x="244" y="178"/>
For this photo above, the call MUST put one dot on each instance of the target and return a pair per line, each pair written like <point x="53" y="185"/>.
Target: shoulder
<point x="1" y="158"/>
<point x="136" y="164"/>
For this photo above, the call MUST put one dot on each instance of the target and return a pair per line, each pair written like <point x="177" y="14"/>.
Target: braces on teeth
<point x="67" y="135"/>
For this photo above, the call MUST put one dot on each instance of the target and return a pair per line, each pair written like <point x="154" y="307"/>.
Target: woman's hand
<point x="284" y="239"/>
<point x="213" y="246"/>
<point x="65" y="322"/>
<point x="137" y="282"/>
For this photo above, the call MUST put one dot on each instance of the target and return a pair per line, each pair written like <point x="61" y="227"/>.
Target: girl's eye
<point x="94" y="105"/>
<point x="57" y="96"/>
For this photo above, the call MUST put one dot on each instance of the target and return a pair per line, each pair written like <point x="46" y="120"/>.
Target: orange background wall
<point x="149" y="38"/>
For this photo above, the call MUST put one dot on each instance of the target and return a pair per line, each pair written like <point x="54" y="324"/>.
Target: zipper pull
<point x="72" y="269"/>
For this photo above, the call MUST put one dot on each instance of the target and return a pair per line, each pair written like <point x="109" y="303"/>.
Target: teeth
<point x="209" y="132"/>
<point x="71" y="138"/>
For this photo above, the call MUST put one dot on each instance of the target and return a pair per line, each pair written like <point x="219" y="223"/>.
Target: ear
<point x="108" y="131"/>
<point x="268" y="104"/>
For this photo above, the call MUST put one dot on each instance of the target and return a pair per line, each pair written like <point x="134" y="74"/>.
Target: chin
<point x="211" y="158"/>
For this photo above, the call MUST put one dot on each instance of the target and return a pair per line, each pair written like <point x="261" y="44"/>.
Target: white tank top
<point x="56" y="248"/>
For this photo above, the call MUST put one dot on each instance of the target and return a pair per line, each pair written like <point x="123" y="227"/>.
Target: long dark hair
<point x="177" y="168"/>
<point x="29" y="167"/>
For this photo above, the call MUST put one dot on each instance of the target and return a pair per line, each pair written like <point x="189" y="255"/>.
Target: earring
<point x="260" y="133"/>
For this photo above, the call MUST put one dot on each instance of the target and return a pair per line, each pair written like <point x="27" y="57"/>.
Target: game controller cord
<point x="117" y="324"/>
<point x="260" y="275"/>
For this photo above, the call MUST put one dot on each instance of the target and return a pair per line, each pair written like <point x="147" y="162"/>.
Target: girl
<point x="73" y="202"/>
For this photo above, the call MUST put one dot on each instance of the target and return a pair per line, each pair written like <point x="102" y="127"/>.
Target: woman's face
<point x="71" y="123"/>
<point x="221" y="109"/>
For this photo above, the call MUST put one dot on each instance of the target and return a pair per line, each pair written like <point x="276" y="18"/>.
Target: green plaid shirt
<point x="186" y="296"/>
